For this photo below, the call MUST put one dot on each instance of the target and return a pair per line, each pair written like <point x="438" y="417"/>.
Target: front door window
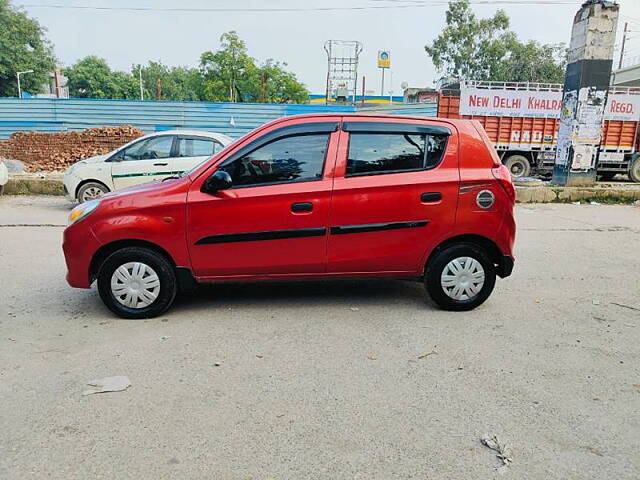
<point x="146" y="161"/>
<point x="150" y="149"/>
<point x="290" y="159"/>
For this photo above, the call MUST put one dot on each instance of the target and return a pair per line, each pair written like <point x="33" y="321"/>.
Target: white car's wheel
<point x="91" y="191"/>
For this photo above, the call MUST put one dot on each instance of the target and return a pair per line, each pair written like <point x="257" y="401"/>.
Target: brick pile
<point x="56" y="151"/>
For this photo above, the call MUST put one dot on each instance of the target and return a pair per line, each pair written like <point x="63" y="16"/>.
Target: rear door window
<point x="379" y="153"/>
<point x="197" y="147"/>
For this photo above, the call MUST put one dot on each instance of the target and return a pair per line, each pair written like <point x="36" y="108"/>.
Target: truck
<point x="522" y="120"/>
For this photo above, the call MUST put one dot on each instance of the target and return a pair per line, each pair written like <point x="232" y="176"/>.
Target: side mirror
<point x="220" y="180"/>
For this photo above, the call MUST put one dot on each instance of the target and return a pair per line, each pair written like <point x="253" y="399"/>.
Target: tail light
<point x="503" y="176"/>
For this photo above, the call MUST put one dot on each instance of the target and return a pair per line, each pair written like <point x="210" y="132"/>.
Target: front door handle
<point x="160" y="164"/>
<point x="301" y="207"/>
<point x="430" y="197"/>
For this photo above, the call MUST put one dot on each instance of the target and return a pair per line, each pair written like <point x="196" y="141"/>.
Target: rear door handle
<point x="430" y="197"/>
<point x="301" y="207"/>
<point x="160" y="164"/>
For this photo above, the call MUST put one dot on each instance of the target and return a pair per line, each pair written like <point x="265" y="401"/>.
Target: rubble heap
<point x="56" y="151"/>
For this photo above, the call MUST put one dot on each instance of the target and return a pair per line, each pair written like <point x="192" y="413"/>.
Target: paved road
<point x="327" y="380"/>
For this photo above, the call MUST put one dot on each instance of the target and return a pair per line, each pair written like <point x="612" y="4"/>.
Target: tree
<point x="175" y="83"/>
<point x="91" y="77"/>
<point x="533" y="62"/>
<point x="23" y="46"/>
<point x="484" y="49"/>
<point x="230" y="74"/>
<point x="280" y="86"/>
<point x="469" y="48"/>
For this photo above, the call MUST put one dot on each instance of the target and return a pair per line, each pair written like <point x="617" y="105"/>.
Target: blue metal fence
<point x="233" y="119"/>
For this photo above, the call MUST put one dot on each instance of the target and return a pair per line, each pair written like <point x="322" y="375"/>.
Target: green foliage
<point x="91" y="77"/>
<point x="469" y="48"/>
<point x="281" y="86"/>
<point x="533" y="62"/>
<point x="23" y="46"/>
<point x="230" y="74"/>
<point x="171" y="83"/>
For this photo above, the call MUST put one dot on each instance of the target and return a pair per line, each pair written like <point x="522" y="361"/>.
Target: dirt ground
<point x="320" y="380"/>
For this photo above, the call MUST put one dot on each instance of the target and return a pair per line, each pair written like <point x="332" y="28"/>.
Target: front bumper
<point x="4" y="174"/>
<point x="79" y="245"/>
<point x="70" y="183"/>
<point x="505" y="266"/>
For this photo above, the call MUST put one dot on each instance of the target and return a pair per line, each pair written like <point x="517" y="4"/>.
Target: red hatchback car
<point x="312" y="196"/>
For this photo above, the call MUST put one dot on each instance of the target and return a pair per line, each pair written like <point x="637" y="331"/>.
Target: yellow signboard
<point x="384" y="59"/>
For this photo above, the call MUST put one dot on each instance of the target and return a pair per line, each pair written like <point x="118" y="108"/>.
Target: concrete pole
<point x="585" y="92"/>
<point x="140" y="79"/>
<point x="624" y="42"/>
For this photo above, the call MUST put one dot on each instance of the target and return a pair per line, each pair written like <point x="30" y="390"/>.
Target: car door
<point x="395" y="194"/>
<point x="148" y="160"/>
<point x="273" y="220"/>
<point x="191" y="151"/>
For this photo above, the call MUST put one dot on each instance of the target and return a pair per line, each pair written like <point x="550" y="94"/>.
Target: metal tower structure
<point x="342" y="70"/>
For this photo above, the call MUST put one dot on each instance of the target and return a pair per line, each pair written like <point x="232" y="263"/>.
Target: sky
<point x="124" y="38"/>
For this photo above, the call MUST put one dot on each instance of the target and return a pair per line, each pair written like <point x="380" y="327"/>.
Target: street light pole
<point x="140" y="78"/>
<point x="18" y="76"/>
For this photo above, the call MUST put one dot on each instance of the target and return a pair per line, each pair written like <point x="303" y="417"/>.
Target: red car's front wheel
<point x="136" y="282"/>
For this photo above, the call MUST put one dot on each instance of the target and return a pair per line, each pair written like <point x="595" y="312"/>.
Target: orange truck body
<point x="536" y="137"/>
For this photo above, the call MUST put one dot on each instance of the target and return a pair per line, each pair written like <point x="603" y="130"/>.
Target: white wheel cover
<point x="462" y="278"/>
<point x="135" y="285"/>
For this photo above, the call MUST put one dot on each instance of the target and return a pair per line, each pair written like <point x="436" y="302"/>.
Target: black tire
<point x="441" y="259"/>
<point x="1" y="189"/>
<point x="89" y="187"/>
<point x="634" y="169"/>
<point x="518" y="165"/>
<point x="162" y="268"/>
<point x="607" y="176"/>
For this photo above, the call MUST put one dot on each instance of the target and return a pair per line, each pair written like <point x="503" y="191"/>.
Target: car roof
<point x="195" y="133"/>
<point x="369" y="116"/>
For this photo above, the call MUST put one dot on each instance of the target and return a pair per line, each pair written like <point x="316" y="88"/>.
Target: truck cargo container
<point x="522" y="120"/>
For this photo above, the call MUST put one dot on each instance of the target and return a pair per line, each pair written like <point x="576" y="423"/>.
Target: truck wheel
<point x="634" y="169"/>
<point x="460" y="277"/>
<point x="136" y="282"/>
<point x="90" y="191"/>
<point x="518" y="165"/>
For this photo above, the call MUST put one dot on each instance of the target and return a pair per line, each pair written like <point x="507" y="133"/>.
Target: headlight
<point x="82" y="210"/>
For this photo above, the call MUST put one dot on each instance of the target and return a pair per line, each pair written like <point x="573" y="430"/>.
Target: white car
<point x="151" y="158"/>
<point x="4" y="176"/>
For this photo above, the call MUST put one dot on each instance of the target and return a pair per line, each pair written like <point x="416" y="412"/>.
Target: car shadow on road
<point x="311" y="293"/>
